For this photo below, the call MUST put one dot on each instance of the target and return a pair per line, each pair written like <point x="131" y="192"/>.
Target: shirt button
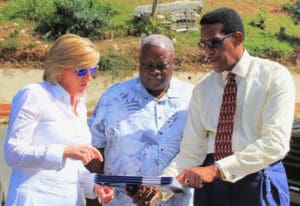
<point x="233" y="176"/>
<point x="161" y="149"/>
<point x="160" y="132"/>
<point x="159" y="117"/>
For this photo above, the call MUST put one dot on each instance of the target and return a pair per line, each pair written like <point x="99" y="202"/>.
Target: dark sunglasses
<point x="83" y="71"/>
<point x="214" y="42"/>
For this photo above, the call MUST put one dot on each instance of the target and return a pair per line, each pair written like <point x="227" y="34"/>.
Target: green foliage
<point x="124" y="9"/>
<point x="148" y="25"/>
<point x="294" y="10"/>
<point x="26" y="9"/>
<point x="116" y="60"/>
<point x="264" y="44"/>
<point x="85" y="18"/>
<point x="139" y="23"/>
<point x="11" y="43"/>
<point x="55" y="17"/>
<point x="187" y="38"/>
<point x="262" y="15"/>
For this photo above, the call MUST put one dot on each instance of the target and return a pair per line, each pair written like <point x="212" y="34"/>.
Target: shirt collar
<point x="61" y="94"/>
<point x="171" y="93"/>
<point x="241" y="68"/>
<point x="173" y="89"/>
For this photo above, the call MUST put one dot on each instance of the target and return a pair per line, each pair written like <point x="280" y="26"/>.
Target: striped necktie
<point x="223" y="145"/>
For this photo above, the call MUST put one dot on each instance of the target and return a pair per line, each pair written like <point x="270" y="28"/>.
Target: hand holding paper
<point x="121" y="181"/>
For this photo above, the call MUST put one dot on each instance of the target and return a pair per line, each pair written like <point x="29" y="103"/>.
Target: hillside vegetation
<point x="23" y="46"/>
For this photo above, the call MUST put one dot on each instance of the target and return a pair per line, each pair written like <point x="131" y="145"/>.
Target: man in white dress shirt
<point x="252" y="174"/>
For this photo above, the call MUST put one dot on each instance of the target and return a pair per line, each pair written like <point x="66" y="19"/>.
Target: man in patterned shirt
<point x="138" y="124"/>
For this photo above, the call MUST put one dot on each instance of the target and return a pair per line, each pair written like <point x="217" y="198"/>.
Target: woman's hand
<point x="105" y="193"/>
<point x="83" y="152"/>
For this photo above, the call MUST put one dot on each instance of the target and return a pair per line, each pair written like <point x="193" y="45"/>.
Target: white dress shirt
<point x="40" y="125"/>
<point x="140" y="133"/>
<point x="262" y="125"/>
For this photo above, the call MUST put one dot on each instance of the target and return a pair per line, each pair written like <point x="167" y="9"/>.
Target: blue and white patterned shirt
<point x="140" y="133"/>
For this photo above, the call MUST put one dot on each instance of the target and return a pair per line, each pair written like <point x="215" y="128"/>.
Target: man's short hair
<point x="158" y="40"/>
<point x="230" y="19"/>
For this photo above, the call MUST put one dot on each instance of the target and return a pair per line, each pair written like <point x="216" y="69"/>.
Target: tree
<point x="154" y="8"/>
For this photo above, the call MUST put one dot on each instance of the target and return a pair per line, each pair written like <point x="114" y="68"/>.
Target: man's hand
<point x="196" y="176"/>
<point x="105" y="193"/>
<point x="143" y="195"/>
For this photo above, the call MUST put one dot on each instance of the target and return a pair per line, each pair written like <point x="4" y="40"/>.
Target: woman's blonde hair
<point x="69" y="50"/>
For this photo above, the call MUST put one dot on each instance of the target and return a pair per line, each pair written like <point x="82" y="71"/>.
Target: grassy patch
<point x="29" y="9"/>
<point x="187" y="39"/>
<point x="124" y="9"/>
<point x="116" y="60"/>
<point x="265" y="42"/>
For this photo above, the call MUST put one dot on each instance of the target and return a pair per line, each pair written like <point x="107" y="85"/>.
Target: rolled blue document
<point x="120" y="181"/>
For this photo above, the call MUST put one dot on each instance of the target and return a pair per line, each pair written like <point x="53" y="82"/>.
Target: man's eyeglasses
<point x="214" y="42"/>
<point x="83" y="71"/>
<point x="161" y="66"/>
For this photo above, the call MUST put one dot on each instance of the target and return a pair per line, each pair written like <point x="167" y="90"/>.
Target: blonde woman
<point x="48" y="139"/>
